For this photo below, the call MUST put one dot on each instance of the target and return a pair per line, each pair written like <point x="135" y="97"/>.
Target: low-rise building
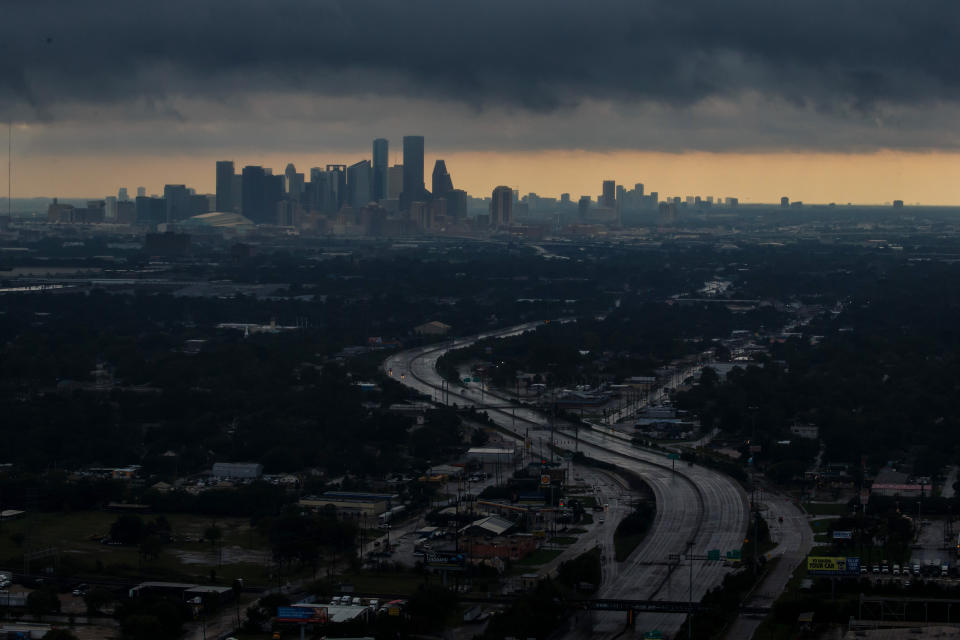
<point x="809" y="431"/>
<point x="515" y="547"/>
<point x="352" y="504"/>
<point x="432" y="328"/>
<point x="239" y="470"/>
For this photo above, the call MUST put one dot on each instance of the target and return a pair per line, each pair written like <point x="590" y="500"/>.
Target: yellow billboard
<point x="830" y="565"/>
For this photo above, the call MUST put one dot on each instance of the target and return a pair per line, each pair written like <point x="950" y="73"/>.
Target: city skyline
<point x="877" y="178"/>
<point x="765" y="88"/>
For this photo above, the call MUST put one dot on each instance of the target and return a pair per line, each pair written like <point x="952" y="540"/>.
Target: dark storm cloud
<point x="59" y="58"/>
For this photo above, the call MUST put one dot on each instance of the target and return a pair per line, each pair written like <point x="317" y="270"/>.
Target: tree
<point x="96" y="599"/>
<point x="43" y="600"/>
<point x="214" y="536"/>
<point x="127" y="529"/>
<point x="59" y="634"/>
<point x="151" y="546"/>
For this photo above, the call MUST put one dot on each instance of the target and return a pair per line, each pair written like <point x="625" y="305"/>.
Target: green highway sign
<point x="674" y="456"/>
<point x="713" y="555"/>
<point x="733" y="555"/>
<point x="656" y="634"/>
<point x="466" y="380"/>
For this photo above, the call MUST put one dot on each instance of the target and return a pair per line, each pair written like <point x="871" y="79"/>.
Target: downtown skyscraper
<point x="413" y="187"/>
<point x="381" y="175"/>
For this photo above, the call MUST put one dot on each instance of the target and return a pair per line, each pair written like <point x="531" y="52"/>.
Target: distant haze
<point x="817" y="178"/>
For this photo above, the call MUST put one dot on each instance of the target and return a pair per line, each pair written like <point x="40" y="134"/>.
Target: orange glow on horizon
<point x="868" y="178"/>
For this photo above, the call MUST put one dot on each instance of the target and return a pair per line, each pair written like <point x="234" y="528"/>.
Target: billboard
<point x="833" y="566"/>
<point x="843" y="535"/>
<point x="303" y="614"/>
<point x="445" y="560"/>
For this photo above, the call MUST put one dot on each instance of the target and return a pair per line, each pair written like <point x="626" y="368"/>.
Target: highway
<point x="694" y="504"/>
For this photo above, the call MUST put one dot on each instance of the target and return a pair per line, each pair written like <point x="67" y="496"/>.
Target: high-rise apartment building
<point x="413" y="185"/>
<point x="501" y="207"/>
<point x="225" y="173"/>
<point x="381" y="174"/>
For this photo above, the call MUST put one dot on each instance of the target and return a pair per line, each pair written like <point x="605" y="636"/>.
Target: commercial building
<point x="253" y="193"/>
<point x="177" y="200"/>
<point x="609" y="197"/>
<point x="442" y="182"/>
<point x="413" y="185"/>
<point x="352" y="504"/>
<point x="381" y="175"/>
<point x="225" y="173"/>
<point x="501" y="207"/>
<point x="492" y="454"/>
<point x="359" y="177"/>
<point x="433" y="328"/>
<point x="394" y="182"/>
<point x="237" y="470"/>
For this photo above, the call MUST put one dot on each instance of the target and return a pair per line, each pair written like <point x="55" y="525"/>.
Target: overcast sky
<point x="128" y="78"/>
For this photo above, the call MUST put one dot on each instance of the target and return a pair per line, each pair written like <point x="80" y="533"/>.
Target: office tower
<point x="784" y="201"/>
<point x="501" y="207"/>
<point x="273" y="193"/>
<point x="358" y="184"/>
<point x="110" y="209"/>
<point x="564" y="198"/>
<point x="236" y="193"/>
<point x="126" y="212"/>
<point x="583" y="207"/>
<point x="225" y="174"/>
<point x="381" y="176"/>
<point x="289" y="177"/>
<point x="338" y="185"/>
<point x="198" y="203"/>
<point x="609" y="197"/>
<point x="413" y="186"/>
<point x="253" y="193"/>
<point x="122" y="195"/>
<point x="177" y="199"/>
<point x="141" y="192"/>
<point x="149" y="211"/>
<point x="639" y="189"/>
<point x="395" y="182"/>
<point x="442" y="182"/>
<point x="456" y="204"/>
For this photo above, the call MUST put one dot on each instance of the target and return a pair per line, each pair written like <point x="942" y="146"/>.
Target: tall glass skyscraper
<point x="225" y="186"/>
<point x="381" y="177"/>
<point x="413" y="188"/>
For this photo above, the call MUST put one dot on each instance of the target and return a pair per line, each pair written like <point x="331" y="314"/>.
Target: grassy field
<point x="77" y="535"/>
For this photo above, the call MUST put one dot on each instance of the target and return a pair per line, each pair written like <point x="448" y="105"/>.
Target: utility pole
<point x="690" y="593"/>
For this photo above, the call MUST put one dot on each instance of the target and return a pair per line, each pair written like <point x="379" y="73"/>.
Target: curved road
<point x="694" y="503"/>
